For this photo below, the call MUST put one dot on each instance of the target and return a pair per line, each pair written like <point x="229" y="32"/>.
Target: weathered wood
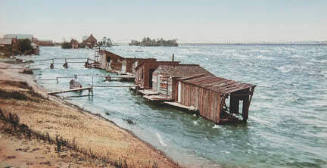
<point x="245" y="110"/>
<point x="157" y="97"/>
<point x="76" y="96"/>
<point x="148" y="92"/>
<point x="234" y="104"/>
<point x="190" y="108"/>
<point x="71" y="90"/>
<point x="115" y="86"/>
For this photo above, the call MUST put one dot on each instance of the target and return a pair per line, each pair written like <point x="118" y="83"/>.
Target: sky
<point x="188" y="21"/>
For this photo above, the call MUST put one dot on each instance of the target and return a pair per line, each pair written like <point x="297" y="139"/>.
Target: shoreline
<point x="125" y="137"/>
<point x="107" y="120"/>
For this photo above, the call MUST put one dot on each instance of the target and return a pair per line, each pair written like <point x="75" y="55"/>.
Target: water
<point x="287" y="124"/>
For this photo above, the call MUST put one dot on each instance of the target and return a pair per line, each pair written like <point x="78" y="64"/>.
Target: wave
<point x="160" y="139"/>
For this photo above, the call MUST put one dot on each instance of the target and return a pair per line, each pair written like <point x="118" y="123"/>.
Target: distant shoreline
<point x="322" y="43"/>
<point x="271" y="44"/>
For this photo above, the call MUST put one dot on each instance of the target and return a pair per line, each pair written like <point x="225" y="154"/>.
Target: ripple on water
<point x="287" y="125"/>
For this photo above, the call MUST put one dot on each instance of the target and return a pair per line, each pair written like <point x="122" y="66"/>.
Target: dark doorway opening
<point x="239" y="104"/>
<point x="150" y="77"/>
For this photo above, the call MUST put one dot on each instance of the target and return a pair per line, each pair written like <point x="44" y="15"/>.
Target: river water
<point x="287" y="124"/>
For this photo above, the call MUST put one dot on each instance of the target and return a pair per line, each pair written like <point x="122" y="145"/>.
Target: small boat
<point x="73" y="84"/>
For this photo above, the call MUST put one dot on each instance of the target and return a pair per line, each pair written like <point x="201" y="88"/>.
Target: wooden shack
<point x="208" y="95"/>
<point x="74" y="43"/>
<point x="144" y="72"/>
<point x="110" y="62"/>
<point x="132" y="63"/>
<point x="115" y="63"/>
<point x="164" y="77"/>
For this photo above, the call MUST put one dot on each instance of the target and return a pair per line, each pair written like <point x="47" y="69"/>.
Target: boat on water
<point x="74" y="84"/>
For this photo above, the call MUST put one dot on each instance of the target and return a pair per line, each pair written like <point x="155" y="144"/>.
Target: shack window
<point x="108" y="59"/>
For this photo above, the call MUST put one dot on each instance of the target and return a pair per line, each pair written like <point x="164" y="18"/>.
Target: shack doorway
<point x="123" y="69"/>
<point x="150" y="77"/>
<point x="108" y="63"/>
<point x="239" y="105"/>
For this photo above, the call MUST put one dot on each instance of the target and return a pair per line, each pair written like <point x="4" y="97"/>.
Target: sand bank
<point x="45" y="114"/>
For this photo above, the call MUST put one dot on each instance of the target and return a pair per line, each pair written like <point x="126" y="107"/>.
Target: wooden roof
<point x="181" y="70"/>
<point x="154" y="61"/>
<point x="110" y="54"/>
<point x="217" y="84"/>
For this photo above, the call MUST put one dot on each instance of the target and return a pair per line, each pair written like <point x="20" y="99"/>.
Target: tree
<point x="106" y="42"/>
<point x="146" y="41"/>
<point x="66" y="45"/>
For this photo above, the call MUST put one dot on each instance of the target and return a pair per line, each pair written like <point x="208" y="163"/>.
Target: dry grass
<point x="91" y="134"/>
<point x="21" y="147"/>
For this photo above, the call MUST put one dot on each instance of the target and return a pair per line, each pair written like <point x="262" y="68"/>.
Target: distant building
<point x="14" y="38"/>
<point x="19" y="36"/>
<point x="6" y="42"/>
<point x="74" y="43"/>
<point x="90" y="42"/>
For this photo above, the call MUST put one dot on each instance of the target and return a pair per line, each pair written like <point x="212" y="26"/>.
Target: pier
<point x="180" y="106"/>
<point x="90" y="89"/>
<point x="184" y="86"/>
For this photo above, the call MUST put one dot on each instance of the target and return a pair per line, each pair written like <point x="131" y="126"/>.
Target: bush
<point x="24" y="46"/>
<point x="146" y="41"/>
<point x="66" y="45"/>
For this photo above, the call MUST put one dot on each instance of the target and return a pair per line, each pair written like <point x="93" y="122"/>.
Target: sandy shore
<point x="44" y="114"/>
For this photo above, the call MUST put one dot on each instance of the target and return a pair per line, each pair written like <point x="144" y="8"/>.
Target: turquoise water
<point x="287" y="124"/>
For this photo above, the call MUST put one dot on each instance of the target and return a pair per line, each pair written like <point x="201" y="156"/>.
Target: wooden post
<point x="52" y="64"/>
<point x="245" y="110"/>
<point x="65" y="64"/>
<point x="234" y="104"/>
<point x="247" y="105"/>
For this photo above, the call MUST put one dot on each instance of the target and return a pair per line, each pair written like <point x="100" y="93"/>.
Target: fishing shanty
<point x="184" y="86"/>
<point x="117" y="64"/>
<point x="191" y="87"/>
<point x="163" y="80"/>
<point x="208" y="95"/>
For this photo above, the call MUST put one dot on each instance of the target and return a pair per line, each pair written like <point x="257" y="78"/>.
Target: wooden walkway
<point x="90" y="89"/>
<point x="147" y="92"/>
<point x="175" y="104"/>
<point x="114" y="86"/>
<point x="157" y="98"/>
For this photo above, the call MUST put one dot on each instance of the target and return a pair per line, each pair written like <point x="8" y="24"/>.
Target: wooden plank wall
<point x="206" y="101"/>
